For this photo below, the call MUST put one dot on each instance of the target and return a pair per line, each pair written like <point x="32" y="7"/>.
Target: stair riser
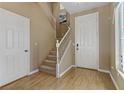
<point x="54" y="49"/>
<point x="51" y="58"/>
<point x="53" y="53"/>
<point x="49" y="64"/>
<point x="48" y="71"/>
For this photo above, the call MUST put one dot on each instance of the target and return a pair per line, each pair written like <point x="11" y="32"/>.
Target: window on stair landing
<point x="62" y="17"/>
<point x="119" y="37"/>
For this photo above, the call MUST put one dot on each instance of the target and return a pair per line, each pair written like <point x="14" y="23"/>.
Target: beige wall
<point x="41" y="30"/>
<point x="63" y="29"/>
<point x="56" y="9"/>
<point x="47" y="8"/>
<point x="104" y="33"/>
<point x="119" y="80"/>
<point x="60" y="28"/>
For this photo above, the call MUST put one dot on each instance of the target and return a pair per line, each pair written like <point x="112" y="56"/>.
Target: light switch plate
<point x="35" y="43"/>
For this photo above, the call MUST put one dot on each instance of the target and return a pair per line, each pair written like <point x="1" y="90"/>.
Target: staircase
<point x="52" y="62"/>
<point x="49" y="64"/>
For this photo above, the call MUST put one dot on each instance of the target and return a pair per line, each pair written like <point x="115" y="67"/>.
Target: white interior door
<point x="86" y="40"/>
<point x="14" y="46"/>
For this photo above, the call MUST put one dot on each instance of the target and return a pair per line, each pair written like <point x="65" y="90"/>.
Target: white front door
<point x="14" y="46"/>
<point x="86" y="41"/>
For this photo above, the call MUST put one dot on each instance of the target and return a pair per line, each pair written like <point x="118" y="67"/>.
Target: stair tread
<point x="50" y="61"/>
<point x="51" y="55"/>
<point x="51" y="58"/>
<point x="52" y="51"/>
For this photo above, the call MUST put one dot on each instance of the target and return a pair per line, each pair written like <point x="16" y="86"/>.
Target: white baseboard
<point x="74" y="66"/>
<point x="66" y="71"/>
<point x="114" y="81"/>
<point x="37" y="70"/>
<point x="101" y="70"/>
<point x="105" y="71"/>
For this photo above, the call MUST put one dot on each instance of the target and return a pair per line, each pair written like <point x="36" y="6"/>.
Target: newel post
<point x="57" y="56"/>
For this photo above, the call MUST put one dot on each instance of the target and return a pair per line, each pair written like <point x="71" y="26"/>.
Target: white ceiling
<point x="74" y="7"/>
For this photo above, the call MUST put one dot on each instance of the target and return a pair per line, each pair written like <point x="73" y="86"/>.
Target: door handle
<point x="26" y="50"/>
<point x="121" y="58"/>
<point x="77" y="46"/>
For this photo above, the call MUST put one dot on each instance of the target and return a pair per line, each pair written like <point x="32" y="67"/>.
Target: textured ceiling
<point x="74" y="7"/>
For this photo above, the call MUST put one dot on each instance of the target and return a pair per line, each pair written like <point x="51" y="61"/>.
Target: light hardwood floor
<point x="76" y="78"/>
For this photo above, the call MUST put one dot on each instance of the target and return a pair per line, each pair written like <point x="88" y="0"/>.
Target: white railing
<point x="61" y="47"/>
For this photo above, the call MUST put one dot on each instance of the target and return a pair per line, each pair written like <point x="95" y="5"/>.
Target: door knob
<point x="77" y="47"/>
<point x="26" y="50"/>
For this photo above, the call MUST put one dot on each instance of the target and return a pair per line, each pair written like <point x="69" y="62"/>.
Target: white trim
<point x="117" y="41"/>
<point x="66" y="50"/>
<point x="32" y="72"/>
<point x="121" y="74"/>
<point x="57" y="70"/>
<point x="66" y="70"/>
<point x="97" y="40"/>
<point x="104" y="71"/>
<point x="74" y="65"/>
<point x="57" y="56"/>
<point x="29" y="52"/>
<point x="117" y="55"/>
<point x="114" y="81"/>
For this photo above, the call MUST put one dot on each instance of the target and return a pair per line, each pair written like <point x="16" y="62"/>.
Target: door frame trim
<point x="97" y="50"/>
<point x="29" y="49"/>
